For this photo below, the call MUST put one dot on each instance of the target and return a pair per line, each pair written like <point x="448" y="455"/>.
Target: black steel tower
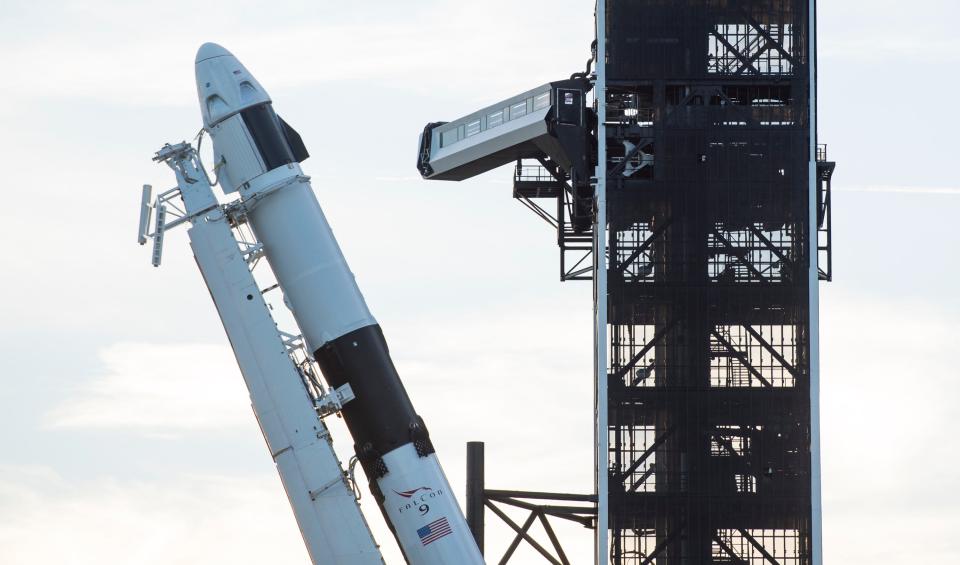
<point x="710" y="141"/>
<point x="695" y="196"/>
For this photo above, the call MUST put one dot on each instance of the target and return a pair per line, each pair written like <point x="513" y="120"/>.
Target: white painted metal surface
<point x="424" y="512"/>
<point x="813" y="274"/>
<point x="602" y="554"/>
<point x="146" y="203"/>
<point x="305" y="257"/>
<point x="519" y="127"/>
<point x="297" y="241"/>
<point x="322" y="497"/>
<point x="234" y="145"/>
<point x="283" y="212"/>
<point x="447" y="157"/>
<point x="227" y="86"/>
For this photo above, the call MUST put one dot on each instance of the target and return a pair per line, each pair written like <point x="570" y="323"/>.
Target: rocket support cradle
<point x="257" y="155"/>
<point x="322" y="498"/>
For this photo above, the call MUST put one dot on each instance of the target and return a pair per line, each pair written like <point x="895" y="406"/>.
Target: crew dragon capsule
<point x="258" y="155"/>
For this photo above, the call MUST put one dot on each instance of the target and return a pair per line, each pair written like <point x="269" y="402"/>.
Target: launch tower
<point x="713" y="206"/>
<point x="694" y="195"/>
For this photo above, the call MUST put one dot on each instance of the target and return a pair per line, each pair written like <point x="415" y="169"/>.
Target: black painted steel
<point x="709" y="377"/>
<point x="708" y="136"/>
<point x="475" y="491"/>
<point x="299" y="150"/>
<point x="542" y="507"/>
<point x="381" y="418"/>
<point x="268" y="134"/>
<point x="423" y="151"/>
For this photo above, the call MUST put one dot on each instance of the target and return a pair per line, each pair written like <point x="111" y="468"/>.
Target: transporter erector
<point x="257" y="158"/>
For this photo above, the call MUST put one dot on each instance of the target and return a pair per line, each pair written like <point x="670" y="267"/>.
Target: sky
<point x="126" y="430"/>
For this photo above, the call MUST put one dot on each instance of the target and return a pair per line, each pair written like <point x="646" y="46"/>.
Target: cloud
<point x="893" y="46"/>
<point x="159" y="389"/>
<point x="406" y="49"/>
<point x="398" y="178"/>
<point x="889" y="391"/>
<point x="901" y="189"/>
<point x="887" y="456"/>
<point x="887" y="34"/>
<point x="47" y="518"/>
<point x="474" y="379"/>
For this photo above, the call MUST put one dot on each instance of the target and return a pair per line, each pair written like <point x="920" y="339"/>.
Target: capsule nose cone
<point x="211" y="50"/>
<point x="224" y="85"/>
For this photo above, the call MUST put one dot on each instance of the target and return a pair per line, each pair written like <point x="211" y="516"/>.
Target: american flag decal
<point x="434" y="531"/>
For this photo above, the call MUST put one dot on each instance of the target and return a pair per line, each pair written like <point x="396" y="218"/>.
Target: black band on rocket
<point x="381" y="417"/>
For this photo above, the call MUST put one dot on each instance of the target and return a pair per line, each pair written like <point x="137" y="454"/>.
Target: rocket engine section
<point x="258" y="155"/>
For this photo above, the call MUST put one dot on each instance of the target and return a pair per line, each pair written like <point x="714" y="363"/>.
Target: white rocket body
<point x="320" y="494"/>
<point x="257" y="154"/>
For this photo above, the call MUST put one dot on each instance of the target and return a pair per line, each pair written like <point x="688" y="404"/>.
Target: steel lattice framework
<point x="715" y="208"/>
<point x="695" y="197"/>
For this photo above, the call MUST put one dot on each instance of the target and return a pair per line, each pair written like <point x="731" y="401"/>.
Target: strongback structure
<point x="703" y="220"/>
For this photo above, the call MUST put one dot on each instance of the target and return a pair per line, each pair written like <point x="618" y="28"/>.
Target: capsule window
<point x="518" y="109"/>
<point x="495" y="119"/>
